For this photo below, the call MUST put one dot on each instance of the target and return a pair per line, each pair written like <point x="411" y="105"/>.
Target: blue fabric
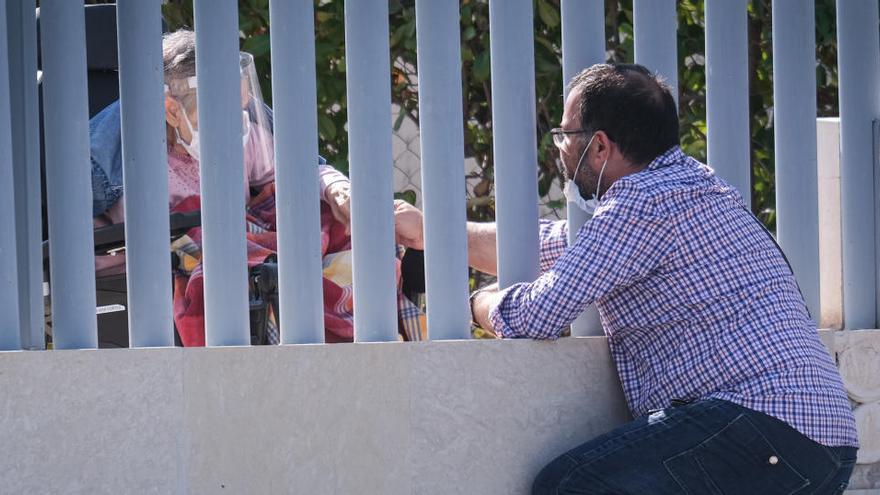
<point x="105" y="136"/>
<point x="710" y="446"/>
<point x="695" y="298"/>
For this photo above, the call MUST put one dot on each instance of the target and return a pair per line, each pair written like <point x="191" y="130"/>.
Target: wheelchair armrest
<point x="112" y="237"/>
<point x="182" y="222"/>
<point x="109" y="238"/>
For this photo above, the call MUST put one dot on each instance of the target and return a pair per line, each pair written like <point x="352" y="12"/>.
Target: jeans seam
<point x="571" y="472"/>
<point x="580" y="463"/>
<point x="705" y="473"/>
<point x="679" y="420"/>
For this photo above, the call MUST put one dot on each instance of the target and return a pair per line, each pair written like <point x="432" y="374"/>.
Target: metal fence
<point x="440" y="148"/>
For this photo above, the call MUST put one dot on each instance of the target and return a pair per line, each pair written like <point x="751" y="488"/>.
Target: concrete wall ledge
<point x="395" y="418"/>
<point x="469" y="417"/>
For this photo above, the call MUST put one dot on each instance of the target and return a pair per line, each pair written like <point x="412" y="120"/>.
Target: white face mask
<point x="572" y="192"/>
<point x="193" y="146"/>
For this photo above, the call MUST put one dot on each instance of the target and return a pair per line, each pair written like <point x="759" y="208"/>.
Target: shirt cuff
<point x="499" y="324"/>
<point x="327" y="176"/>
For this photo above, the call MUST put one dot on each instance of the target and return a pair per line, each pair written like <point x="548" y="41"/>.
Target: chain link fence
<point x="406" y="153"/>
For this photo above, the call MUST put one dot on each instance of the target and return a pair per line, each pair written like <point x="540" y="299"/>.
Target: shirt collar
<point x="668" y="157"/>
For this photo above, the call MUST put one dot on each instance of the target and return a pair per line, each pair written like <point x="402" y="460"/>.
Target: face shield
<point x="257" y="135"/>
<point x="256" y="120"/>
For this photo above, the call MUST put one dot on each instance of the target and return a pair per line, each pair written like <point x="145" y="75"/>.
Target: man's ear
<point x="602" y="146"/>
<point x="172" y="112"/>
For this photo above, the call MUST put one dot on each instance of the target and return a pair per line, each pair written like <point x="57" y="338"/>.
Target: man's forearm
<point x="482" y="254"/>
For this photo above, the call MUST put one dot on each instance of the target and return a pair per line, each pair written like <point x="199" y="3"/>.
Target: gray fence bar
<point x="139" y="28"/>
<point x="22" y="39"/>
<point x="513" y="124"/>
<point x="794" y="114"/>
<point x="222" y="172"/>
<point x="876" y="125"/>
<point x="583" y="44"/>
<point x="368" y="71"/>
<point x="68" y="189"/>
<point x="442" y="150"/>
<point x="10" y="325"/>
<point x="858" y="62"/>
<point x="656" y="42"/>
<point x="294" y="97"/>
<point x="727" y="93"/>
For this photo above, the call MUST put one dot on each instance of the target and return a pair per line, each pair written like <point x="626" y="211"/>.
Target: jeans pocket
<point x="736" y="459"/>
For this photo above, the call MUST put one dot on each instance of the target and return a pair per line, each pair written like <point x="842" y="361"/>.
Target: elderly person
<point x="182" y="137"/>
<point x="181" y="122"/>
<point x="720" y="362"/>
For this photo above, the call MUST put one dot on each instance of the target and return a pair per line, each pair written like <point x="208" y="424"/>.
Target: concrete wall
<point x="475" y="417"/>
<point x="469" y="417"/>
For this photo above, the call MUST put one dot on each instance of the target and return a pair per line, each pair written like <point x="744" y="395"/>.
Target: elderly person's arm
<point x="336" y="192"/>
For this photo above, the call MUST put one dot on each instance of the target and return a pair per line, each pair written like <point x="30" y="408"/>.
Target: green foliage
<point x="476" y="86"/>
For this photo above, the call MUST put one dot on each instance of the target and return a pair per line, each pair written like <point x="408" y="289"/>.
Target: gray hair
<point x="179" y="62"/>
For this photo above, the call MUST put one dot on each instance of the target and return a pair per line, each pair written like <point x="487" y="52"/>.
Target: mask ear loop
<point x="581" y="160"/>
<point x="599" y="182"/>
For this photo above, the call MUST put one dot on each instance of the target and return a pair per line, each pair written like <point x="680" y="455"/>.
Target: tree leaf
<point x="548" y="14"/>
<point x="326" y="126"/>
<point x="258" y="46"/>
<point x="482" y="66"/>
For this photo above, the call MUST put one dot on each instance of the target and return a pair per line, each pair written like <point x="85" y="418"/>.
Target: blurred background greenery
<point x="477" y="95"/>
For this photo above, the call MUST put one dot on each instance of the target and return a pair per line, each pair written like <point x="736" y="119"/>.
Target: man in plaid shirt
<point x="720" y="362"/>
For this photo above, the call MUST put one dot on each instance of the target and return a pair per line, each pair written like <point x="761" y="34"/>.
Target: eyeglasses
<point x="560" y="135"/>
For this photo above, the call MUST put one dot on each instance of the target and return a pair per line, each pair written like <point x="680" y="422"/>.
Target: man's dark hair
<point x="634" y="107"/>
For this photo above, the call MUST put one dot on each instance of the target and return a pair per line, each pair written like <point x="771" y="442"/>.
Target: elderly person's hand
<point x="408" y="225"/>
<point x="338" y="196"/>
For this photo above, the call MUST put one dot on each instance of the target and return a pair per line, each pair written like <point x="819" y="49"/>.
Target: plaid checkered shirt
<point x="695" y="298"/>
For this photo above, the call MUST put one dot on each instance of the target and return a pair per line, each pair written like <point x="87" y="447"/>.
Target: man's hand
<point x="482" y="302"/>
<point x="338" y="196"/>
<point x="409" y="225"/>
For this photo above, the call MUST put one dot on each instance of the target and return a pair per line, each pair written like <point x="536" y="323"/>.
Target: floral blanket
<point x="189" y="309"/>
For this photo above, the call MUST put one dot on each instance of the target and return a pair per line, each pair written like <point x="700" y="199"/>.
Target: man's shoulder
<point x="672" y="181"/>
<point x="628" y="196"/>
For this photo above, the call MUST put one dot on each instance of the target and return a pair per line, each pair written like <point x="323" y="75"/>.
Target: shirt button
<point x="773" y="460"/>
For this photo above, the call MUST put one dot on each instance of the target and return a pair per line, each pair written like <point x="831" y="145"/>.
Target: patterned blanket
<point x="189" y="310"/>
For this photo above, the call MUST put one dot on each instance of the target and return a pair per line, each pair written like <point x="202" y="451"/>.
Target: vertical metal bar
<point x="858" y="62"/>
<point x="10" y="323"/>
<point x="583" y="44"/>
<point x="514" y="145"/>
<point x="68" y="187"/>
<point x="369" y="143"/>
<point x="442" y="145"/>
<point x="296" y="173"/>
<point x="22" y="37"/>
<point x="794" y="113"/>
<point x="139" y="31"/>
<point x="656" y="43"/>
<point x="876" y="148"/>
<point x="222" y="172"/>
<point x="727" y="93"/>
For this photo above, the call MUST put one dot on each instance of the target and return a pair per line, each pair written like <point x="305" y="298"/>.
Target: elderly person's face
<point x="174" y="116"/>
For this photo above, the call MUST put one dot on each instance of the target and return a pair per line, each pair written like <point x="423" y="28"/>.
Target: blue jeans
<point x="705" y="447"/>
